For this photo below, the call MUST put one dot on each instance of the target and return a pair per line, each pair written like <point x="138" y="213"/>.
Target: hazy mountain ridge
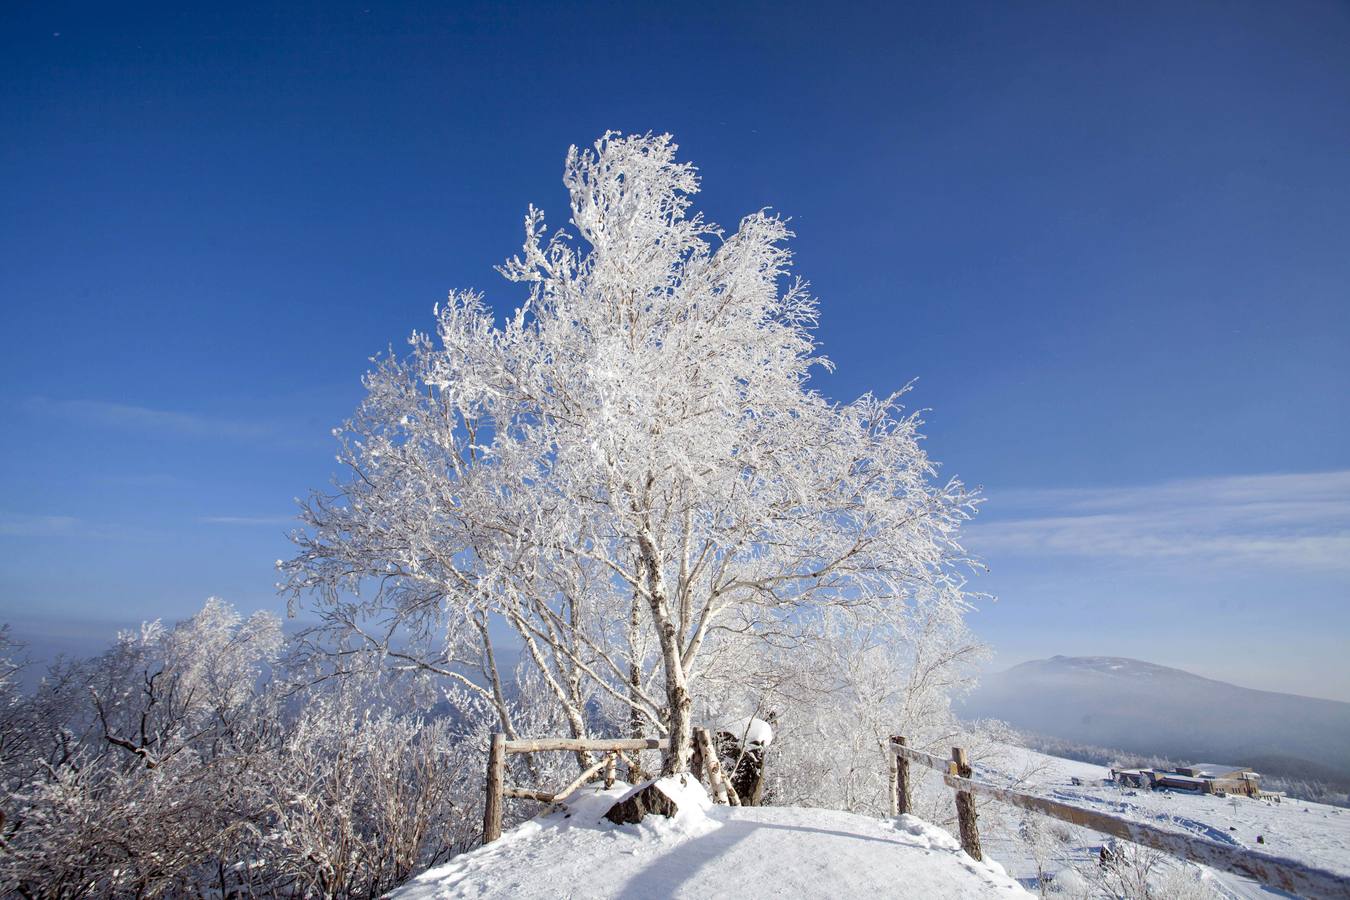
<point x="1150" y="709"/>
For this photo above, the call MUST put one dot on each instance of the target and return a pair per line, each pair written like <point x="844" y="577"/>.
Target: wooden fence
<point x="1272" y="871"/>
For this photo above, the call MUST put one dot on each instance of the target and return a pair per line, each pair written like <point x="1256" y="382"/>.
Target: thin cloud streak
<point x="22" y="525"/>
<point x="1265" y="521"/>
<point x="145" y="418"/>
<point x="27" y="525"/>
<point x="248" y="520"/>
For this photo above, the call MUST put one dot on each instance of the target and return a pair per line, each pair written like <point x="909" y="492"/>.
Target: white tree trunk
<point x="678" y="704"/>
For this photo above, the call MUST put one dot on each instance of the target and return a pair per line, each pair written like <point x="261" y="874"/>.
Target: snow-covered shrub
<point x="180" y="764"/>
<point x="141" y="771"/>
<point x="1130" y="872"/>
<point x="360" y="798"/>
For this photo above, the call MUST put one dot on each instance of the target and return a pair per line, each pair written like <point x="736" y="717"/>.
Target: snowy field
<point x="792" y="852"/>
<point x="714" y="851"/>
<point x="1308" y="832"/>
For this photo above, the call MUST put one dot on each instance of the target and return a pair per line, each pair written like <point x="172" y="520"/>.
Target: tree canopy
<point x="632" y="472"/>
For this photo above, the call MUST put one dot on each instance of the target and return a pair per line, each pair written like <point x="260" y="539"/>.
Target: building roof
<point x="1218" y="770"/>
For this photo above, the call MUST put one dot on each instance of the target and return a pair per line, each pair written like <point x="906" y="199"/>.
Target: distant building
<point x="1175" y="781"/>
<point x="1138" y="778"/>
<point x="1227" y="778"/>
<point x="1202" y="778"/>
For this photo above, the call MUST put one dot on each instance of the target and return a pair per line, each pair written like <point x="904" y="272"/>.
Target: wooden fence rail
<point x="611" y="750"/>
<point x="1272" y="871"/>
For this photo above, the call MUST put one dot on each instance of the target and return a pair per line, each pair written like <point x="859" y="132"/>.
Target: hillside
<point x="1155" y="710"/>
<point x="714" y="852"/>
<point x="1311" y="833"/>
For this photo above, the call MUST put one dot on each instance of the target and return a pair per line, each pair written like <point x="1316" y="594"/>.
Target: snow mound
<point x="713" y="851"/>
<point x="691" y="802"/>
<point x="750" y="730"/>
<point x="690" y="797"/>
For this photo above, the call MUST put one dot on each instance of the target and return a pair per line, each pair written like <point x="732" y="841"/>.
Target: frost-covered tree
<point x="840" y="696"/>
<point x="139" y="770"/>
<point x="361" y="797"/>
<point x="188" y="761"/>
<point x="629" y="472"/>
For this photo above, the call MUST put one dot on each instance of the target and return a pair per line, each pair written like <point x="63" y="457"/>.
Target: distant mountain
<point x="1158" y="711"/>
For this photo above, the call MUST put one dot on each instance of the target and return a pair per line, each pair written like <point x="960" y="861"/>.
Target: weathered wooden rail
<point x="611" y="750"/>
<point x="1272" y="871"/>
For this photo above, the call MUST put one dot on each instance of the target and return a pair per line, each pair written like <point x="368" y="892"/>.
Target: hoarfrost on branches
<point x="190" y="760"/>
<point x="632" y="472"/>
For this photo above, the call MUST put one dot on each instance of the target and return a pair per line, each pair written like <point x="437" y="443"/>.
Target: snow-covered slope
<point x="717" y="852"/>
<point x="1155" y="710"/>
<point x="1312" y="833"/>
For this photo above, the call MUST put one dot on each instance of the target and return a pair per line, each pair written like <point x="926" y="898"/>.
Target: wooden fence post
<point x="496" y="784"/>
<point x="893" y="779"/>
<point x="965" y="806"/>
<point x="900" y="798"/>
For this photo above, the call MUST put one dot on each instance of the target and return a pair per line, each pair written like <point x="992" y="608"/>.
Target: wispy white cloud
<point x="21" y="525"/>
<point x="143" y="480"/>
<point x="1295" y="520"/>
<point x="248" y="520"/>
<point x="145" y="418"/>
<point x="29" y="525"/>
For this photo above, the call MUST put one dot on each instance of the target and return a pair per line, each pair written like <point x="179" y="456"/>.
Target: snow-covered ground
<point x="792" y="852"/>
<point x="1308" y="832"/>
<point x="714" y="851"/>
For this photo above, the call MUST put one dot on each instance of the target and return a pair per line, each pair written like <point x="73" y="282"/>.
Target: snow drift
<point x="714" y="851"/>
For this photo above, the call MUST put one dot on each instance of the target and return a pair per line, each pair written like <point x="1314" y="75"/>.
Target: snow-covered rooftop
<point x="1217" y="769"/>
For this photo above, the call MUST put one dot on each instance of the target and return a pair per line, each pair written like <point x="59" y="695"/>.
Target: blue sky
<point x="1112" y="243"/>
